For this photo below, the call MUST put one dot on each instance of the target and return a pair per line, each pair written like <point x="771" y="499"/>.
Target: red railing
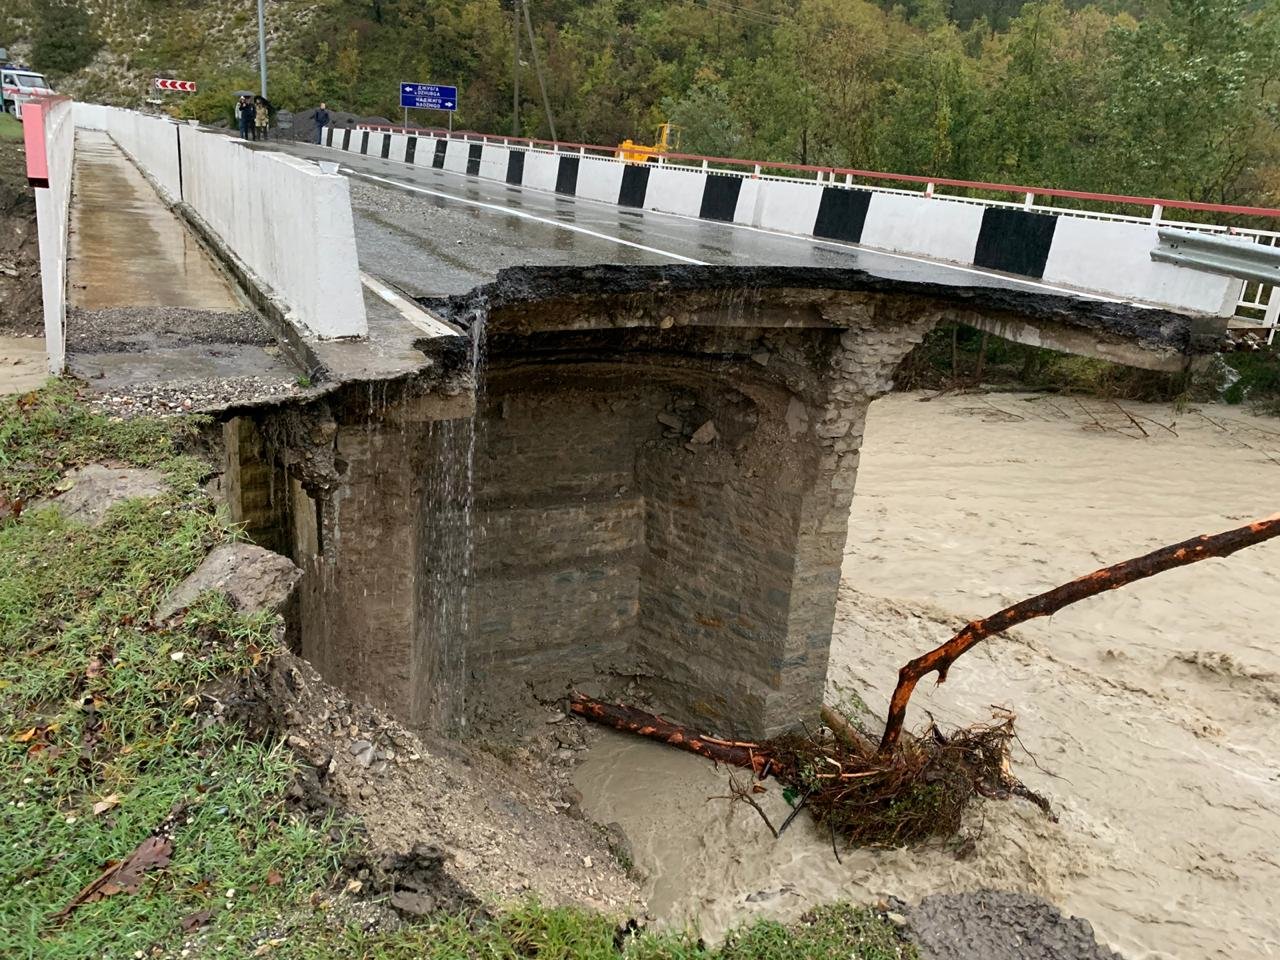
<point x="1157" y="204"/>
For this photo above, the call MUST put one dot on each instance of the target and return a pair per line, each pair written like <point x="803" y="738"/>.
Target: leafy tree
<point x="706" y="121"/>
<point x="1194" y="101"/>
<point x="1167" y="98"/>
<point x="64" y="40"/>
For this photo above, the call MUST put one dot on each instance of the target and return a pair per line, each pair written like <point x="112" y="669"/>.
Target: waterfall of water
<point x="449" y="538"/>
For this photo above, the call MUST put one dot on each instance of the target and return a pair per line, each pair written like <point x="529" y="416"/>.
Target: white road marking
<point x="526" y="216"/>
<point x="408" y="309"/>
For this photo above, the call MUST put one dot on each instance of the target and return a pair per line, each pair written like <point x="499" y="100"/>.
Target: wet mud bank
<point x="20" y="304"/>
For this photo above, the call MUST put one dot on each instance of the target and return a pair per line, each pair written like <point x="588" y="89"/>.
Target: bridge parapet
<point x="48" y="137"/>
<point x="284" y="224"/>
<point x="1090" y="250"/>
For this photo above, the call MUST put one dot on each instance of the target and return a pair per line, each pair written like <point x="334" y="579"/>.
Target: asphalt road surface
<point x="432" y="232"/>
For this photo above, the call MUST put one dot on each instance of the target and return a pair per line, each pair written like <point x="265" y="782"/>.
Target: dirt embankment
<point x="19" y="255"/>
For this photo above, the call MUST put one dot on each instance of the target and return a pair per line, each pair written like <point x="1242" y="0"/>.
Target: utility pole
<point x="542" y="84"/>
<point x="515" y="68"/>
<point x="262" y="49"/>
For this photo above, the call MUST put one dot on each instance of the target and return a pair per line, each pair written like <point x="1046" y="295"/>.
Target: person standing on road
<point x="245" y="114"/>
<point x="262" y="117"/>
<point x="322" y="121"/>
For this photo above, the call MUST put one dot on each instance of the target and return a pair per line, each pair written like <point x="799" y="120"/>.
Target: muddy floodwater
<point x="1153" y="713"/>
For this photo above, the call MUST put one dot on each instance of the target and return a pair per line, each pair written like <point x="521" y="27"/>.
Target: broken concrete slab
<point x="88" y="492"/>
<point x="252" y="577"/>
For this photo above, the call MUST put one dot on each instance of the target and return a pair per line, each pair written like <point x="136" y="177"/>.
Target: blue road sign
<point x="428" y="96"/>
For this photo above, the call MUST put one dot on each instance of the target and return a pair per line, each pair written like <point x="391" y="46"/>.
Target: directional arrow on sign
<point x="183" y="86"/>
<point x="428" y="96"/>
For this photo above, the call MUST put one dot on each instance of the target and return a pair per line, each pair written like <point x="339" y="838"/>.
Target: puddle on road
<point x="1152" y="711"/>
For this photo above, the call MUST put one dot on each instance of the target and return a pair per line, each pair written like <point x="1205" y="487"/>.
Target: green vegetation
<point x="64" y="40"/>
<point x="956" y="355"/>
<point x="529" y="931"/>
<point x="1257" y="380"/>
<point x="44" y="433"/>
<point x="10" y="127"/>
<point x="103" y="729"/>
<point x="108" y="733"/>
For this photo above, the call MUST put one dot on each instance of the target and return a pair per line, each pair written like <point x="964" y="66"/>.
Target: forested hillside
<point x="1168" y="97"/>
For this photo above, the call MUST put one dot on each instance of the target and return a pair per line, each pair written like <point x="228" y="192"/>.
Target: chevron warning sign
<point x="182" y="86"/>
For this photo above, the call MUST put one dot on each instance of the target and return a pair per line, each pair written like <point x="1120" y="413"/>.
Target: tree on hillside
<point x="64" y="40"/>
<point x="1192" y="99"/>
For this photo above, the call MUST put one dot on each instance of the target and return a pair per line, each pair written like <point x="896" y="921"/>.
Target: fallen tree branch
<point x="919" y="791"/>
<point x="735" y="753"/>
<point x="852" y="737"/>
<point x="940" y="659"/>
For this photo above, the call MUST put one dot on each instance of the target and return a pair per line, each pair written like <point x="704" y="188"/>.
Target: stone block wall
<point x="559" y="524"/>
<point x="652" y="487"/>
<point x="674" y="502"/>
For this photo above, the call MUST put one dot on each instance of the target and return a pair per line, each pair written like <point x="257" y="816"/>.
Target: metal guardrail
<point x="1252" y="262"/>
<point x="1256" y="263"/>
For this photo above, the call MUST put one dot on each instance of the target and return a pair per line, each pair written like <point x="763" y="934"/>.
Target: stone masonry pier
<point x="639" y="472"/>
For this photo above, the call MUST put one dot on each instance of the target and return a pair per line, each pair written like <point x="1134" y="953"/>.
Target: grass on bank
<point x="10" y="127"/>
<point x="103" y="732"/>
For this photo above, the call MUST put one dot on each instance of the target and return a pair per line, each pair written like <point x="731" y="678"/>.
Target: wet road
<point x="126" y="248"/>
<point x="433" y="232"/>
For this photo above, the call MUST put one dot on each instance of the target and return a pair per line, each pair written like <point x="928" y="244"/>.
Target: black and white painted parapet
<point x="1108" y="257"/>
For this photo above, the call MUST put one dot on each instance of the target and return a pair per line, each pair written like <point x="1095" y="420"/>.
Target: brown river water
<point x="1153" y="713"/>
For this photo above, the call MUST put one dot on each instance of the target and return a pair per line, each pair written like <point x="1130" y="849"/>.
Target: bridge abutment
<point x="638" y="475"/>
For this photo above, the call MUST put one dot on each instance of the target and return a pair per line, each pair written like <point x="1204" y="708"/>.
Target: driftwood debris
<point x="851" y="736"/>
<point x="630" y="720"/>
<point x="940" y="659"/>
<point x="919" y="791"/>
<point x="910" y="787"/>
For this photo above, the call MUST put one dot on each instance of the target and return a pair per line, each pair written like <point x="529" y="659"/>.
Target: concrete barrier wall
<point x="397" y="146"/>
<point x="286" y="221"/>
<point x="1117" y="257"/>
<point x="1098" y="256"/>
<point x="90" y="116"/>
<point x="152" y="143"/>
<point x="49" y="139"/>
<point x="541" y="169"/>
<point x="599" y="179"/>
<point x="493" y="163"/>
<point x="940" y="230"/>
<point x="788" y="206"/>
<point x="673" y="190"/>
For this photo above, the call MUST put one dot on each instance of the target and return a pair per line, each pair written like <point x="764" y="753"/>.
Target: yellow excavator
<point x="668" y="139"/>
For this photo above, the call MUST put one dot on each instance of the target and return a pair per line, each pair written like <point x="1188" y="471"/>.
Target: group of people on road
<point x="253" y="116"/>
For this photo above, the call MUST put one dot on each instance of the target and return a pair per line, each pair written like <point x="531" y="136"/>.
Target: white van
<point x="20" y="85"/>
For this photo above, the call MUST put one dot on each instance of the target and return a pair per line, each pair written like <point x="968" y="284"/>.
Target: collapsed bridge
<point x="642" y="472"/>
<point x="635" y="461"/>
